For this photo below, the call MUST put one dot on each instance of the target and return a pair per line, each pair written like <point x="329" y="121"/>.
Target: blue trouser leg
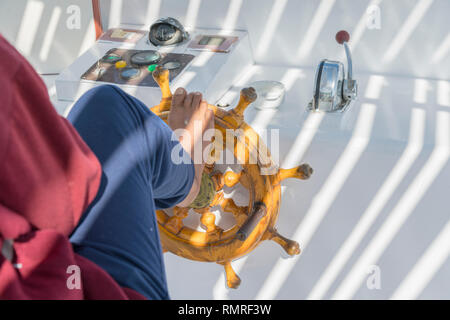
<point x="119" y="231"/>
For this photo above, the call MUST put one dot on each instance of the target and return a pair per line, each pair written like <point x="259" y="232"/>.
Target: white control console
<point x="208" y="71"/>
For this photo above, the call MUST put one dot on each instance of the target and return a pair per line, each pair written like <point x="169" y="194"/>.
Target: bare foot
<point x="190" y="113"/>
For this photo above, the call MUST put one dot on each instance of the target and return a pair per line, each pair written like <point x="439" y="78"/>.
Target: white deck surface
<point x="379" y="196"/>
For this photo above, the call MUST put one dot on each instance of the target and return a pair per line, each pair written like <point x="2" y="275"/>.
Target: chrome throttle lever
<point x="333" y="92"/>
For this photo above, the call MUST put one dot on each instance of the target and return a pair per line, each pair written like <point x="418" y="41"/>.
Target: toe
<point x="178" y="97"/>
<point x="196" y="100"/>
<point x="203" y="107"/>
<point x="188" y="100"/>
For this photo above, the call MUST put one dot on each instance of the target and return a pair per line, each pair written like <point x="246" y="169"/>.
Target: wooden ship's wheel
<point x="254" y="222"/>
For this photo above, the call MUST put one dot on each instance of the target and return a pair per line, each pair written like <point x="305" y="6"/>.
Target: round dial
<point x="111" y="58"/>
<point x="165" y="32"/>
<point x="171" y="65"/>
<point x="145" y="58"/>
<point x="130" y="73"/>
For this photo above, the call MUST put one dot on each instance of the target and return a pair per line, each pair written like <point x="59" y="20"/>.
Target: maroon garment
<point x="48" y="176"/>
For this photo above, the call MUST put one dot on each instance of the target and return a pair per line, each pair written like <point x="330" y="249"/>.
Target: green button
<point x="152" y="67"/>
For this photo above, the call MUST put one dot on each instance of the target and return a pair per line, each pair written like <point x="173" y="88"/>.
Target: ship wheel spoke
<point x="240" y="214"/>
<point x="233" y="280"/>
<point x="218" y="198"/>
<point x="303" y="172"/>
<point x="290" y="246"/>
<point x="175" y="223"/>
<point x="208" y="220"/>
<point x="215" y="152"/>
<point x="231" y="178"/>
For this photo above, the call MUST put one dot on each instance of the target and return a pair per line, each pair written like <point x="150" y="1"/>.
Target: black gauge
<point x="171" y="65"/>
<point x="167" y="31"/>
<point x="145" y="58"/>
<point x="111" y="58"/>
<point x="130" y="73"/>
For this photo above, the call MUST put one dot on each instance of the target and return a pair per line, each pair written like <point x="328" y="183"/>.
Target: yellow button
<point x="121" y="64"/>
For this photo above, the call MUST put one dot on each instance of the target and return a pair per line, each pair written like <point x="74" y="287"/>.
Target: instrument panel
<point x="135" y="67"/>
